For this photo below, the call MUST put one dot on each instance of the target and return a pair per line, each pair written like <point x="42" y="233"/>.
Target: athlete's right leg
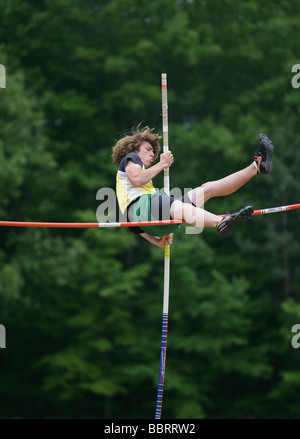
<point x="199" y="217"/>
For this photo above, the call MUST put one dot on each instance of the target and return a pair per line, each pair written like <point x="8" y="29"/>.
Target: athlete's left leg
<point x="193" y="215"/>
<point x="224" y="186"/>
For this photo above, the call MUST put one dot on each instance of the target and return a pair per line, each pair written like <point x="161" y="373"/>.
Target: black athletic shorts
<point x="160" y="207"/>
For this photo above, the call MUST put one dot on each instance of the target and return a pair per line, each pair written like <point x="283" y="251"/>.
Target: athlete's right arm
<point x="139" y="177"/>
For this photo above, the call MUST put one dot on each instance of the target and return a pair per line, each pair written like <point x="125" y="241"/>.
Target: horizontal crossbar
<point x="131" y="224"/>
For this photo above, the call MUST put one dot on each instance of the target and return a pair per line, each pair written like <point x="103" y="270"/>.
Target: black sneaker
<point x="230" y="220"/>
<point x="263" y="158"/>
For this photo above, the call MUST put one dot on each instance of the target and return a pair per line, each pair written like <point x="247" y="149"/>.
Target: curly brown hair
<point x="132" y="143"/>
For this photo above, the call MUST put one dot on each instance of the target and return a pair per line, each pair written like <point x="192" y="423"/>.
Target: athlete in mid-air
<point x="139" y="200"/>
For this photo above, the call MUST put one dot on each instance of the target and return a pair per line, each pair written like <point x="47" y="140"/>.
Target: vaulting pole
<point x="164" y="334"/>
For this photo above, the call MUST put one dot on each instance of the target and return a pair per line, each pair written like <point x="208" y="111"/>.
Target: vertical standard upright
<point x="164" y="334"/>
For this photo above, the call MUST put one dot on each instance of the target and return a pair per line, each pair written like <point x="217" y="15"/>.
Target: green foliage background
<point x="82" y="308"/>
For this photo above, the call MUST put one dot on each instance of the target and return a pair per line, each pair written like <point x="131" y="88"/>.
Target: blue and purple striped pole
<point x="161" y="380"/>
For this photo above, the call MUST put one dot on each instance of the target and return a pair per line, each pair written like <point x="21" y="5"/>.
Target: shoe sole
<point x="269" y="148"/>
<point x="242" y="216"/>
<point x="269" y="164"/>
